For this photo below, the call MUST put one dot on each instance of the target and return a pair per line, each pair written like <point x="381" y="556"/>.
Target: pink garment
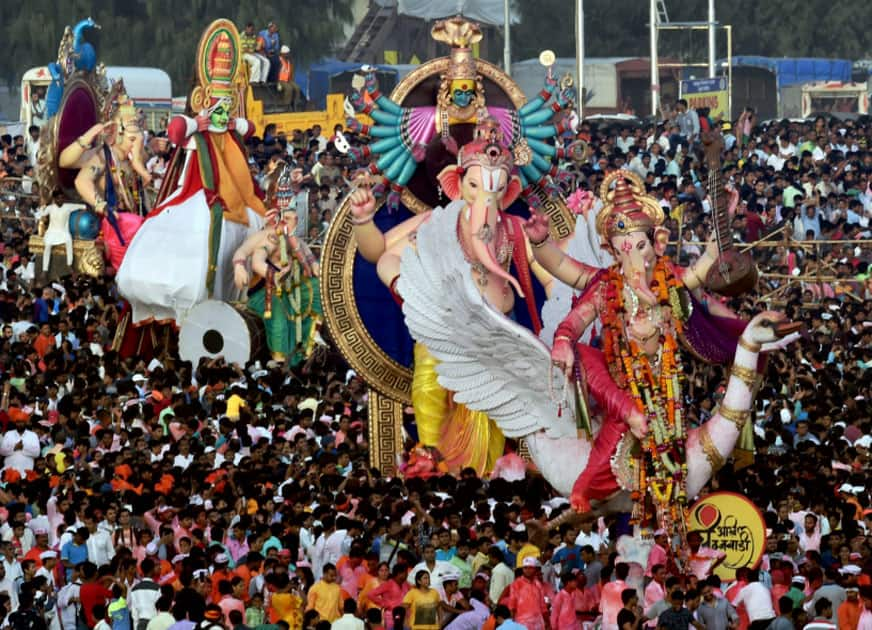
<point x="128" y="224"/>
<point x="510" y="467"/>
<point x="229" y="603"/>
<point x="732" y="594"/>
<point x="388" y="596"/>
<point x="657" y="556"/>
<point x="700" y="563"/>
<point x="611" y="604"/>
<point x="563" y="609"/>
<point x="350" y="577"/>
<point x="654" y="593"/>
<point x="527" y="603"/>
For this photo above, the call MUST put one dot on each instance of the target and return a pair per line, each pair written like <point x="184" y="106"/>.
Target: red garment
<point x="90" y="595"/>
<point x="597" y="481"/>
<point x="563" y="609"/>
<point x="527" y="603"/>
<point x="611" y="603"/>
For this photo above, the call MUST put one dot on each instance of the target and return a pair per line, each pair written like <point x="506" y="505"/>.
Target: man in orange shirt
<point x="44" y="342"/>
<point x="40" y="545"/>
<point x="292" y="95"/>
<point x="249" y="570"/>
<point x="221" y="573"/>
<point x="850" y="609"/>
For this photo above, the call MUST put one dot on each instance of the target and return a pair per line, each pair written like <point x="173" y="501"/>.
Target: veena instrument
<point x="734" y="272"/>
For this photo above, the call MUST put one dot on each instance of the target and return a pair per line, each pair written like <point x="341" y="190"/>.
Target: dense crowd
<point x="153" y="495"/>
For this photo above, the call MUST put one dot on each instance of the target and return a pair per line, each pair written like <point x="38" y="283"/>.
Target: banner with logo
<point x="730" y="523"/>
<point x="711" y="93"/>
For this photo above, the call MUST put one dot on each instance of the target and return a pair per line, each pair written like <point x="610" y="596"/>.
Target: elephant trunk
<point x="482" y="224"/>
<point x="636" y="271"/>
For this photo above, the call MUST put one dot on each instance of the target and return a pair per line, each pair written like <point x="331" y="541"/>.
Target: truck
<point x="327" y="85"/>
<point x="835" y="97"/>
<point x="149" y="88"/>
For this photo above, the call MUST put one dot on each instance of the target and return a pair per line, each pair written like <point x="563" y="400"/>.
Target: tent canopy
<point x="484" y="11"/>
<point x="797" y="70"/>
<point x="332" y="77"/>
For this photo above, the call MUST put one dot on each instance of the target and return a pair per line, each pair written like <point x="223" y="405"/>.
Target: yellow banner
<point x="711" y="93"/>
<point x="730" y="523"/>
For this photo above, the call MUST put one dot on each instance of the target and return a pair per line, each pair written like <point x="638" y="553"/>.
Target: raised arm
<point x="370" y="240"/>
<point x="79" y="151"/>
<point x="554" y="260"/>
<point x="86" y="183"/>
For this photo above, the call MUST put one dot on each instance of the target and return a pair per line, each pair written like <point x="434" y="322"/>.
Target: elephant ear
<point x="513" y="190"/>
<point x="449" y="178"/>
<point x="661" y="240"/>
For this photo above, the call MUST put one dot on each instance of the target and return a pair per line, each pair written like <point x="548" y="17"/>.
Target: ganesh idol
<point x="649" y="308"/>
<point x="638" y="445"/>
<point x="282" y="284"/>
<point x="405" y="137"/>
<point x="112" y="176"/>
<point x="208" y="204"/>
<point x="481" y="186"/>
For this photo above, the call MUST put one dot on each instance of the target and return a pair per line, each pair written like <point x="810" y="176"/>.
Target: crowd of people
<point x="148" y="495"/>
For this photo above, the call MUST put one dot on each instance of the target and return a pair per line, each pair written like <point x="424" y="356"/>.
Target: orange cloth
<point x="42" y="344"/>
<point x="286" y="71"/>
<point x="235" y="185"/>
<point x="849" y="614"/>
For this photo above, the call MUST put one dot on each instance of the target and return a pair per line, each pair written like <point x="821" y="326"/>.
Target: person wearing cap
<point x="48" y="560"/>
<point x="40" y="546"/>
<point x="527" y="597"/>
<point x="659" y="552"/>
<point x="20" y="446"/>
<point x="221" y="572"/>
<point x="849" y="611"/>
<point x="289" y="90"/>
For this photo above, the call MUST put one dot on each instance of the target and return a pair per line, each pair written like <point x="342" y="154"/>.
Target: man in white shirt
<point x="142" y="598"/>
<point x="586" y="536"/>
<point x="436" y="568"/>
<point x="757" y="600"/>
<point x="501" y="574"/>
<point x="473" y="619"/>
<point x="20" y="446"/>
<point x="100" y="547"/>
<point x="348" y="621"/>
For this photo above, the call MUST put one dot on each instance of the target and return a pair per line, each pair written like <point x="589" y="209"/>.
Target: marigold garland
<point x="662" y="465"/>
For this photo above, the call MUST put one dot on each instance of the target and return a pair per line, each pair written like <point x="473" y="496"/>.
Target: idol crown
<point x="627" y="207"/>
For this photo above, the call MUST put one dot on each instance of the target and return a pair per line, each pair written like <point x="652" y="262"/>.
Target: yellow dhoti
<point x="463" y="437"/>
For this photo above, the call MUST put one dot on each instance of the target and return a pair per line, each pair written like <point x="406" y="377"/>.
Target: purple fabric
<point x="504" y="117"/>
<point x="422" y="125"/>
<point x="712" y="337"/>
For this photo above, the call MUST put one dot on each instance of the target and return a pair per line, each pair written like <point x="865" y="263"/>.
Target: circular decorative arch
<point x="339" y="251"/>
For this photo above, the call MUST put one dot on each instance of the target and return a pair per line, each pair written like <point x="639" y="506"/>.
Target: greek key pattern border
<point x="385" y="432"/>
<point x="343" y="319"/>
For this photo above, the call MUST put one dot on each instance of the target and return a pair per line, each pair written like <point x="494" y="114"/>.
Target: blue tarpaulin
<point x="798" y="70"/>
<point x="319" y="82"/>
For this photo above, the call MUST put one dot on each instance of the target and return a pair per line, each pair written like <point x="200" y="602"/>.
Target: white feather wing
<point x="584" y="246"/>
<point x="491" y="363"/>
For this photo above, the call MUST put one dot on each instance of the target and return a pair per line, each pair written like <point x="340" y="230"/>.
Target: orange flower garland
<point x="662" y="467"/>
